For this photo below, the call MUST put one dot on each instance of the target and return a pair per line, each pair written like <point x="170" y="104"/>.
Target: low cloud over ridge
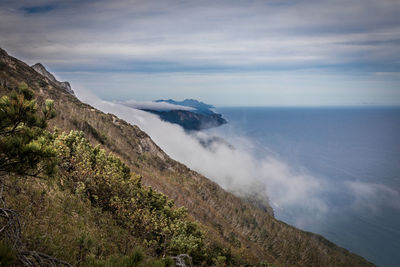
<point x="234" y="169"/>
<point x="293" y="191"/>
<point x="160" y="106"/>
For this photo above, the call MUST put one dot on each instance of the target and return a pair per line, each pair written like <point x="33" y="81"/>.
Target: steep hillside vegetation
<point x="233" y="227"/>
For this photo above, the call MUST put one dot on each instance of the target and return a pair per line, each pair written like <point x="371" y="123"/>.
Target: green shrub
<point x="109" y="185"/>
<point x="24" y="143"/>
<point x="42" y="83"/>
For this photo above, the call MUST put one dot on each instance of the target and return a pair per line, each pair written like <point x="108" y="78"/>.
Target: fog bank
<point x="160" y="106"/>
<point x="295" y="194"/>
<point x="232" y="167"/>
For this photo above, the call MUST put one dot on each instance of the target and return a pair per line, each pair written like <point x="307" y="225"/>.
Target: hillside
<point x="42" y="70"/>
<point x="235" y="224"/>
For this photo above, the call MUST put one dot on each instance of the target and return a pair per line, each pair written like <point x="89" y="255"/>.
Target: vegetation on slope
<point x="109" y="185"/>
<point x="94" y="210"/>
<point x="23" y="143"/>
<point x="235" y="230"/>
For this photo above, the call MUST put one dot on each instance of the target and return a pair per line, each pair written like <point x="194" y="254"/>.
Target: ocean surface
<point x="354" y="153"/>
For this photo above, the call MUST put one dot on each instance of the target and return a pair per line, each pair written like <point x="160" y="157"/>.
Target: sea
<point x="354" y="152"/>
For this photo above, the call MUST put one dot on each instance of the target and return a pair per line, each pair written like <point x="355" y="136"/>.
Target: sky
<point x="223" y="52"/>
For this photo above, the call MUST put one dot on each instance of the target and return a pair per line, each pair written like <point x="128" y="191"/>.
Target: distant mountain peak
<point x="39" y="68"/>
<point x="39" y="65"/>
<point x="201" y="117"/>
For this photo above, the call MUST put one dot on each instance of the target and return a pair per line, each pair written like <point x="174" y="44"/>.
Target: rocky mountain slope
<point x="246" y="230"/>
<point x="44" y="72"/>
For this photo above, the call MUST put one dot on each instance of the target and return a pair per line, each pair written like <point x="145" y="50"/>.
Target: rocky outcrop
<point x="44" y="72"/>
<point x="190" y="120"/>
<point x="200" y="117"/>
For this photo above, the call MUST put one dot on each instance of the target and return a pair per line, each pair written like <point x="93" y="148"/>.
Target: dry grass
<point x="237" y="224"/>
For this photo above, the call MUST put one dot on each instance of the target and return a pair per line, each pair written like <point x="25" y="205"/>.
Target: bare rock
<point x="39" y="68"/>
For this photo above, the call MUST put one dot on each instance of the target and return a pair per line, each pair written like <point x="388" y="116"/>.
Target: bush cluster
<point x="108" y="183"/>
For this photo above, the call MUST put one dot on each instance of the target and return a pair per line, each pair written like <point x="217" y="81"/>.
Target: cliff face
<point x="190" y="120"/>
<point x="43" y="71"/>
<point x="199" y="117"/>
<point x="236" y="223"/>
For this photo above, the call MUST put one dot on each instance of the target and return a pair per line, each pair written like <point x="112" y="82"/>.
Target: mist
<point x="233" y="167"/>
<point x="297" y="196"/>
<point x="160" y="106"/>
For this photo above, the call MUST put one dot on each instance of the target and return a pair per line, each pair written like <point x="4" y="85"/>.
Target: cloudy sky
<point x="246" y="53"/>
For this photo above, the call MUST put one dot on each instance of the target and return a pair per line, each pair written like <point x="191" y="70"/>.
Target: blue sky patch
<point x="38" y="9"/>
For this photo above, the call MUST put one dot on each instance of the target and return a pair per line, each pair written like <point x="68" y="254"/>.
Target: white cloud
<point x="154" y="37"/>
<point x="300" y="197"/>
<point x="206" y="33"/>
<point x="160" y="106"/>
<point x="234" y="169"/>
<point x="372" y="196"/>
